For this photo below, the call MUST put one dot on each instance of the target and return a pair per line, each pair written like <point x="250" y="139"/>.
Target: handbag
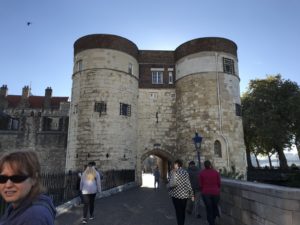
<point x="173" y="180"/>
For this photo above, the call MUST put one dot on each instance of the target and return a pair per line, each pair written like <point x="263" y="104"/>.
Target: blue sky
<point x="267" y="33"/>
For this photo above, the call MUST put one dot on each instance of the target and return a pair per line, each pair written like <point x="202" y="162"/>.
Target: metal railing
<point x="64" y="187"/>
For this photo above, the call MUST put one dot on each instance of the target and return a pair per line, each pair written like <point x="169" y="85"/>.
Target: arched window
<point x="218" y="149"/>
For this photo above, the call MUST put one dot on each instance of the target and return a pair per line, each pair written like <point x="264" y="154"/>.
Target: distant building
<point x="38" y="123"/>
<point x="128" y="103"/>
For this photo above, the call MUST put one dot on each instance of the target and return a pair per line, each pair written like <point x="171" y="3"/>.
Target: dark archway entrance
<point x="153" y="158"/>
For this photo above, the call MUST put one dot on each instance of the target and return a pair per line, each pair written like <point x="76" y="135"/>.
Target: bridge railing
<point x="62" y="187"/>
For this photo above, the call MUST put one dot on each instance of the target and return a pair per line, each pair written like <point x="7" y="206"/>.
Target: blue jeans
<point x="212" y="210"/>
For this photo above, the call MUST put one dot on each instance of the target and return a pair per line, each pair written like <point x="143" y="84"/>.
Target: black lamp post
<point x="197" y="141"/>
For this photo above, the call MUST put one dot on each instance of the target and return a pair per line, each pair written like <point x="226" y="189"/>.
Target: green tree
<point x="270" y="116"/>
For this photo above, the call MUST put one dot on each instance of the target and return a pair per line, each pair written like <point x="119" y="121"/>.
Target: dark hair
<point x="207" y="164"/>
<point x="179" y="162"/>
<point x="25" y="163"/>
<point x="92" y="163"/>
<point x="192" y="163"/>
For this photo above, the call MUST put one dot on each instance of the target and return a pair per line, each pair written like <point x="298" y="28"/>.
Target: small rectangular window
<point x="157" y="77"/>
<point x="125" y="109"/>
<point x="9" y="123"/>
<point x="238" y="110"/>
<point x="170" y="77"/>
<point x="228" y="66"/>
<point x="153" y="95"/>
<point x="78" y="66"/>
<point x="130" y="68"/>
<point x="52" y="123"/>
<point x="100" y="107"/>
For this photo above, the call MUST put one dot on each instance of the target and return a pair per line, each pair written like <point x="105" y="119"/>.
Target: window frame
<point x="238" y="109"/>
<point x="130" y="68"/>
<point x="218" y="148"/>
<point x="157" y="76"/>
<point x="78" y="65"/>
<point x="125" y="109"/>
<point x="100" y="107"/>
<point x="228" y="65"/>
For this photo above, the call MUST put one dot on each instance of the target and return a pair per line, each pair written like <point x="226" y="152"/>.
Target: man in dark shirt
<point x="193" y="172"/>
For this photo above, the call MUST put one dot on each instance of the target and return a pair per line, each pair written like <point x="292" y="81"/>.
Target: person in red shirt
<point x="210" y="184"/>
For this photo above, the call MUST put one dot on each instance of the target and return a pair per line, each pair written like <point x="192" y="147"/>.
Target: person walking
<point x="90" y="184"/>
<point x="156" y="175"/>
<point x="20" y="186"/>
<point x="180" y="190"/>
<point x="210" y="182"/>
<point x="194" y="206"/>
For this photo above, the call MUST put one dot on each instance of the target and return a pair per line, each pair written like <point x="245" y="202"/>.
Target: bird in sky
<point x="29" y="23"/>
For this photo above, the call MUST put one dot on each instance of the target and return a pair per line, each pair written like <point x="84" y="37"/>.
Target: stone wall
<point x="50" y="144"/>
<point x="249" y="203"/>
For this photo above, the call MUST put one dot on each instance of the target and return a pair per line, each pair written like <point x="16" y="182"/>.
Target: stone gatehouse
<point x="129" y="103"/>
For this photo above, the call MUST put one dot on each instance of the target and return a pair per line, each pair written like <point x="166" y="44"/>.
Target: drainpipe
<point x="220" y="108"/>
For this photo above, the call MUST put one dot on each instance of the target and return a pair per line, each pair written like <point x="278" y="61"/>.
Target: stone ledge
<point x="268" y="189"/>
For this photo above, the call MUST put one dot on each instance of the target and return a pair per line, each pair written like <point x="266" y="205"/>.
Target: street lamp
<point x="197" y="141"/>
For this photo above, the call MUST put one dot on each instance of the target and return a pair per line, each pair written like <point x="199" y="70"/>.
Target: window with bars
<point x="228" y="66"/>
<point x="125" y="109"/>
<point x="157" y="77"/>
<point x="100" y="107"/>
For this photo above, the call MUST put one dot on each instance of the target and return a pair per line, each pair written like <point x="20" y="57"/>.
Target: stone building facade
<point x="37" y="123"/>
<point x="128" y="103"/>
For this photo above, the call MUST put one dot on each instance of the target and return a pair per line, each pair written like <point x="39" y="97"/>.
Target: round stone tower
<point x="208" y="102"/>
<point x="103" y="113"/>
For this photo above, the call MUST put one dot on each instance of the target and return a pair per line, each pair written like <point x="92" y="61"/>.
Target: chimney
<point x="47" y="100"/>
<point x="48" y="92"/>
<point x="25" y="92"/>
<point x="3" y="91"/>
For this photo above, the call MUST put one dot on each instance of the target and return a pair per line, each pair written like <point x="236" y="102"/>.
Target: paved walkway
<point x="137" y="206"/>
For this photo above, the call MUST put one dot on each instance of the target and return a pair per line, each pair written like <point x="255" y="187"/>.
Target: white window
<point x="170" y="77"/>
<point x="130" y="68"/>
<point x="153" y="95"/>
<point x="157" y="77"/>
<point x="78" y="66"/>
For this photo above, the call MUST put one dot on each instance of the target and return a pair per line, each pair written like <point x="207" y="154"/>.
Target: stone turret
<point x="103" y="117"/>
<point x="207" y="97"/>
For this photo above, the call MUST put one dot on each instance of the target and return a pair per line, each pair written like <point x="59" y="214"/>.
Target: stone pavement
<point x="137" y="206"/>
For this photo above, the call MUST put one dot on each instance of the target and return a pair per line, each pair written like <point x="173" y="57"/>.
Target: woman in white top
<point x="90" y="184"/>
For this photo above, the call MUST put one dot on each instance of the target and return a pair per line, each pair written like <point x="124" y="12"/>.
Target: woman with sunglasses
<point x="20" y="186"/>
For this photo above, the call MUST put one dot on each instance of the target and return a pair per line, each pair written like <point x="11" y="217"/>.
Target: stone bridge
<point x="242" y="203"/>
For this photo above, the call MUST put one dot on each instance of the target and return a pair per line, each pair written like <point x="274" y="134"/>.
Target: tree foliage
<point x="271" y="117"/>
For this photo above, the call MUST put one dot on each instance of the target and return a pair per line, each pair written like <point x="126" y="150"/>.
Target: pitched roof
<point x="34" y="101"/>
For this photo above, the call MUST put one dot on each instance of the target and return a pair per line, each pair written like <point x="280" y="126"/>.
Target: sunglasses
<point x="15" y="178"/>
